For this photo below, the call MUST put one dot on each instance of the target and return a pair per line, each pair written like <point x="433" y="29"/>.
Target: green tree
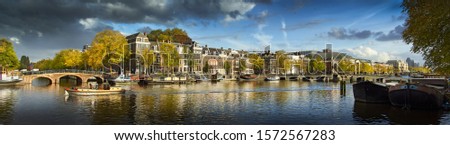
<point x="58" y="61"/>
<point x="175" y="34"/>
<point x="428" y="30"/>
<point x="8" y="57"/>
<point x="242" y="65"/>
<point x="346" y="66"/>
<point x="317" y="64"/>
<point x="287" y="65"/>
<point x="227" y="67"/>
<point x="205" y="67"/>
<point x="149" y="58"/>
<point x="107" y="45"/>
<point x="170" y="56"/>
<point x="68" y="58"/>
<point x="366" y="68"/>
<point x="280" y="57"/>
<point x="378" y="68"/>
<point x="44" y="64"/>
<point x="154" y="35"/>
<point x="258" y="63"/>
<point x="24" y="62"/>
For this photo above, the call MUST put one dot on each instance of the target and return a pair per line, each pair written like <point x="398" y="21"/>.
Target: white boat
<point x="8" y="80"/>
<point x="90" y="92"/>
<point x="122" y="79"/>
<point x="201" y="78"/>
<point x="272" y="78"/>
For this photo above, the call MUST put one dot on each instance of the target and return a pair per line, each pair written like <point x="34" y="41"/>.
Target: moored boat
<point x="89" y="92"/>
<point x="247" y="77"/>
<point x="294" y="78"/>
<point x="8" y="80"/>
<point x="272" y="78"/>
<point x="309" y="79"/>
<point x="370" y="92"/>
<point x="323" y="79"/>
<point x="200" y="78"/>
<point x="417" y="96"/>
<point x="216" y="77"/>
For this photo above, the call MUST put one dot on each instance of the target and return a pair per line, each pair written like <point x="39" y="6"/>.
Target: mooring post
<point x="343" y="88"/>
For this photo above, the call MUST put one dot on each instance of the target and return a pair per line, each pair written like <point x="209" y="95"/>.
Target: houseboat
<point x="371" y="92"/>
<point x="416" y="96"/>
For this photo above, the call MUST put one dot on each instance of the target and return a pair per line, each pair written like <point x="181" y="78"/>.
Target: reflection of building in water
<point x="110" y="109"/>
<point x="7" y="102"/>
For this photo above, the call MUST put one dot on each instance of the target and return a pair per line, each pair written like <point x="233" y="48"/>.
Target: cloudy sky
<point x="368" y="29"/>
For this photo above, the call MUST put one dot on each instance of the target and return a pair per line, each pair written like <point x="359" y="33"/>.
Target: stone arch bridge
<point x="55" y="76"/>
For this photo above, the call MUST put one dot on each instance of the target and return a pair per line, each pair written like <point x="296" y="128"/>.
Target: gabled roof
<point x="135" y="35"/>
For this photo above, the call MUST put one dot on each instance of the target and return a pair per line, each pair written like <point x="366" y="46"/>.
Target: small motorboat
<point x="89" y="92"/>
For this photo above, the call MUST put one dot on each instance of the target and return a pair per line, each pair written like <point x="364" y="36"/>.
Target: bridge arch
<point x="51" y="81"/>
<point x="79" y="79"/>
<point x="55" y="76"/>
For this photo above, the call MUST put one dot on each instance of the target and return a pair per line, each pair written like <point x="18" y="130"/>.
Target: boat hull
<point x="247" y="77"/>
<point x="91" y="92"/>
<point x="9" y="82"/>
<point x="417" y="96"/>
<point x="276" y="78"/>
<point x="308" y="79"/>
<point x="369" y="92"/>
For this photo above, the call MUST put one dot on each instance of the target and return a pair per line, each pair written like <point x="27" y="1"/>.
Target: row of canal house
<point x="194" y="58"/>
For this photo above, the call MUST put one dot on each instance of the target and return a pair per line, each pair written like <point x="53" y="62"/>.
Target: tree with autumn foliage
<point x="428" y="30"/>
<point x="170" y="56"/>
<point x="8" y="57"/>
<point x="257" y="63"/>
<point x="107" y="47"/>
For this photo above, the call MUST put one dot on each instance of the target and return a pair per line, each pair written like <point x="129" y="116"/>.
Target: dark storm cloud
<point x="395" y="34"/>
<point x="57" y="24"/>
<point x="342" y="33"/>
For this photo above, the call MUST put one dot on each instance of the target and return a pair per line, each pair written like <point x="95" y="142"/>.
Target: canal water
<point x="227" y="102"/>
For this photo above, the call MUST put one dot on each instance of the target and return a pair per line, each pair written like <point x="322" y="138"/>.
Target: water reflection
<point x="228" y="102"/>
<point x="386" y="114"/>
<point x="111" y="109"/>
<point x="7" y="102"/>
